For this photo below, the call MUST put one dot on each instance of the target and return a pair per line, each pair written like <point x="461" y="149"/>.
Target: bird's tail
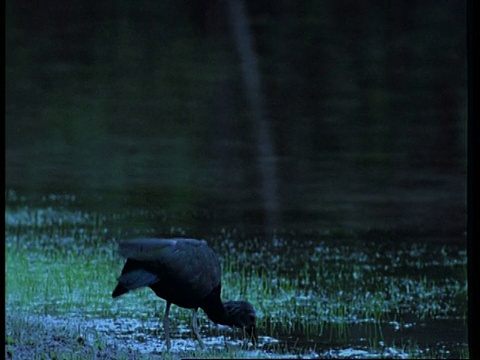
<point x="131" y="280"/>
<point x="119" y="290"/>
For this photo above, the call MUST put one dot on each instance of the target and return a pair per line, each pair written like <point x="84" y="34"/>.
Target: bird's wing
<point x="188" y="262"/>
<point x="137" y="278"/>
<point x="153" y="249"/>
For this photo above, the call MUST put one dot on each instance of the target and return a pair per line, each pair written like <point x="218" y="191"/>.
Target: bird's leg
<point x="221" y="333"/>
<point x="166" y="326"/>
<point x="245" y="339"/>
<point x="195" y="328"/>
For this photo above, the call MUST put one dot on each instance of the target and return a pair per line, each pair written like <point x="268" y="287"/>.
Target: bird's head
<point x="242" y="314"/>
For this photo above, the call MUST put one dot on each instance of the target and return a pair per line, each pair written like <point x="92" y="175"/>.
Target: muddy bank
<point x="60" y="337"/>
<point x="31" y="337"/>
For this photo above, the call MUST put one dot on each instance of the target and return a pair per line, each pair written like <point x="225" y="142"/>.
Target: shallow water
<point x="147" y="337"/>
<point x="331" y="295"/>
<point x="127" y="125"/>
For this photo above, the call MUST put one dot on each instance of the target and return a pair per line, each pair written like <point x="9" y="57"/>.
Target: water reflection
<point x="140" y="117"/>
<point x="366" y="131"/>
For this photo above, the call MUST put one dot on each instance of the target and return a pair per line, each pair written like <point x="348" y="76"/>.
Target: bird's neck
<point x="213" y="307"/>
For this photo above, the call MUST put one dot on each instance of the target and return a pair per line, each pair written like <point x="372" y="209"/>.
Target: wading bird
<point x="184" y="272"/>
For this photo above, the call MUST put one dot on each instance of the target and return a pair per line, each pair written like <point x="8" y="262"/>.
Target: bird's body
<point x="181" y="271"/>
<point x="184" y="272"/>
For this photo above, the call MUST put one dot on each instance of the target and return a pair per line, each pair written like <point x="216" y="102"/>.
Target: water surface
<point x="122" y="115"/>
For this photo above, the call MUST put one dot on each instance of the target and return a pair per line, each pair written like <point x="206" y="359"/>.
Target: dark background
<point x="360" y="124"/>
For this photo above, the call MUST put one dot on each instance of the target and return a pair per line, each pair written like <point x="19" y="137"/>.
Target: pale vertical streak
<point x="260" y="123"/>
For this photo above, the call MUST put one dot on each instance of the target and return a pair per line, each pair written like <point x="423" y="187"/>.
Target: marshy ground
<point x="334" y="191"/>
<point x="316" y="295"/>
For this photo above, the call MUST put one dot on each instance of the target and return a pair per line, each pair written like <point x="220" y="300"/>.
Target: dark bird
<point x="184" y="272"/>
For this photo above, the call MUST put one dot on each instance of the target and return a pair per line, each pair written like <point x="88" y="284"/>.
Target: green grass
<point x="59" y="281"/>
<point x="64" y="263"/>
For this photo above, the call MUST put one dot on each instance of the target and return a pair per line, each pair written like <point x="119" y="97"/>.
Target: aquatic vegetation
<point x="329" y="297"/>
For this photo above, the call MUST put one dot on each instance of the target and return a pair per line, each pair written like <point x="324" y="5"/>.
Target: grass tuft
<point x="61" y="263"/>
